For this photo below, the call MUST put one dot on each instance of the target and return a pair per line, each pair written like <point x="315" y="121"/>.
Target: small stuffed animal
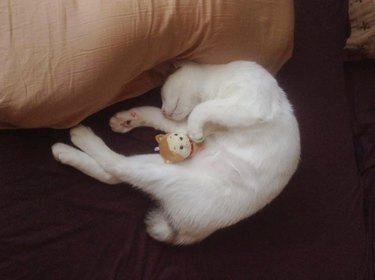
<point x="176" y="147"/>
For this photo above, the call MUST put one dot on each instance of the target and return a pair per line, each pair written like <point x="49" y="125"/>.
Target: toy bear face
<point x="180" y="144"/>
<point x="174" y="147"/>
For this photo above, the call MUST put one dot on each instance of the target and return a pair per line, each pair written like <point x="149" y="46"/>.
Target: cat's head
<point x="180" y="93"/>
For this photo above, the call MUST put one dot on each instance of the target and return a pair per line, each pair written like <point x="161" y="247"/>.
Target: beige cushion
<point x="62" y="60"/>
<point x="362" y="19"/>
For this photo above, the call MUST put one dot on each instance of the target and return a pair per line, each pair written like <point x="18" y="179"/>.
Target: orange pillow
<point x="64" y="60"/>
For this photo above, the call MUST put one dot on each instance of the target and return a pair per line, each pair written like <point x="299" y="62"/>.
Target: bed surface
<point x="57" y="221"/>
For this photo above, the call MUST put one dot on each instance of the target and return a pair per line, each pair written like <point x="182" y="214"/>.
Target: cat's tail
<point x="161" y="227"/>
<point x="158" y="226"/>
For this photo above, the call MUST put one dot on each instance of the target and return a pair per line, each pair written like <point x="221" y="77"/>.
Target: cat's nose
<point x="165" y="112"/>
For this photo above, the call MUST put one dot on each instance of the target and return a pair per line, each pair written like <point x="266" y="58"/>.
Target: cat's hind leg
<point x="142" y="171"/>
<point x="71" y="156"/>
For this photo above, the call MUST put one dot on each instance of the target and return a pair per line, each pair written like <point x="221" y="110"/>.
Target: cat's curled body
<point x="251" y="140"/>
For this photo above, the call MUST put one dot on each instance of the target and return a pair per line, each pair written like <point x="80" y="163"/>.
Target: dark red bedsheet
<point x="360" y="88"/>
<point x="56" y="223"/>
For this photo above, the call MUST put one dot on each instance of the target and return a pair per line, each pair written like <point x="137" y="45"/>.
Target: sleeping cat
<point x="251" y="149"/>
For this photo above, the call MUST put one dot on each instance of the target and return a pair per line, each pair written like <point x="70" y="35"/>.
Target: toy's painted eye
<point x="181" y="147"/>
<point x="181" y="138"/>
<point x="175" y="134"/>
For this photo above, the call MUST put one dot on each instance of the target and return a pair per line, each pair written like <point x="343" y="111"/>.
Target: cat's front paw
<point x="196" y="134"/>
<point x="123" y="122"/>
<point x="195" y="127"/>
<point x="197" y="138"/>
<point x="84" y="138"/>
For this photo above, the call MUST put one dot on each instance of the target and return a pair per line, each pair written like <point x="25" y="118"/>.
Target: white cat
<point x="252" y="148"/>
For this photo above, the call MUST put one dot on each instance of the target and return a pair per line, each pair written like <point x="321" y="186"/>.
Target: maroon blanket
<point x="57" y="223"/>
<point x="360" y="85"/>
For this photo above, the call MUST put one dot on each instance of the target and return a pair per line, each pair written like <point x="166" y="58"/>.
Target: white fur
<point x="252" y="149"/>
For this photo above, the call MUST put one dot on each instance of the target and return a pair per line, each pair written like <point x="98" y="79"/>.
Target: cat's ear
<point x="163" y="70"/>
<point x="159" y="138"/>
